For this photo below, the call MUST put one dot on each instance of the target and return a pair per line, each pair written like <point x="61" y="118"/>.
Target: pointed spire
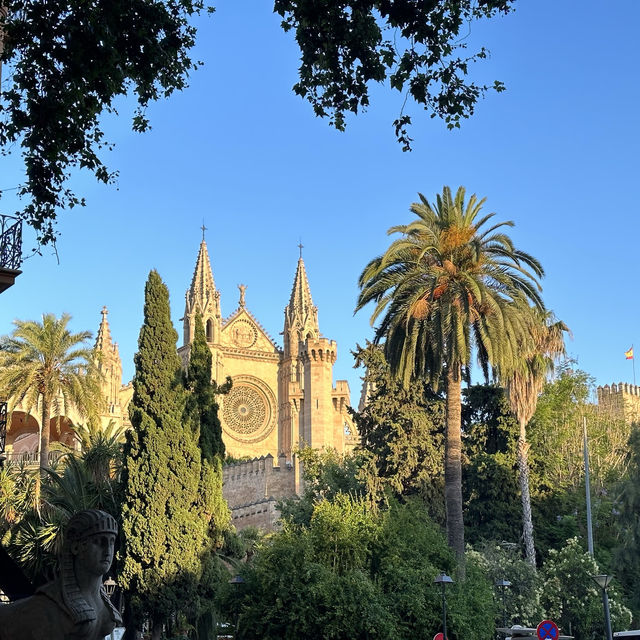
<point x="300" y="302"/>
<point x="103" y="339"/>
<point x="301" y="316"/>
<point x="203" y="286"/>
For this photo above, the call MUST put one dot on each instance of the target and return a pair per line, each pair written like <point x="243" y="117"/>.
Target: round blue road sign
<point x="547" y="630"/>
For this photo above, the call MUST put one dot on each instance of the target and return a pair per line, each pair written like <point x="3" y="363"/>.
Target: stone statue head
<point x="88" y="546"/>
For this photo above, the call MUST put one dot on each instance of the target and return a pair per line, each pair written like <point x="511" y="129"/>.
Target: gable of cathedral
<point x="243" y="335"/>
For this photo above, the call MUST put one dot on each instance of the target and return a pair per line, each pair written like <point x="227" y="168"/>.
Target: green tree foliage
<point x="557" y="466"/>
<point x="418" y="47"/>
<point x="164" y="533"/>
<point x="573" y="600"/>
<point x="327" y="474"/>
<point x="452" y="283"/>
<point x="88" y="480"/>
<point x="627" y="557"/>
<point x="355" y="572"/>
<point x="492" y="505"/>
<point x="201" y="404"/>
<point x="401" y="434"/>
<point x="66" y="63"/>
<point x="490" y="489"/>
<point x="503" y="561"/>
<point x="201" y="413"/>
<point x="43" y="366"/>
<point x="525" y="381"/>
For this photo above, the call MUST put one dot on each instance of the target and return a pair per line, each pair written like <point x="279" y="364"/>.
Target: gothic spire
<point x="103" y="339"/>
<point x="300" y="312"/>
<point x="202" y="285"/>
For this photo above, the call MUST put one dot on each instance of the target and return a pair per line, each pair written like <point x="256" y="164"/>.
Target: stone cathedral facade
<point x="282" y="397"/>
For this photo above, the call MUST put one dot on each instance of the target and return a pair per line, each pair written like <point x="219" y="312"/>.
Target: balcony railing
<point x="32" y="458"/>
<point x="10" y="243"/>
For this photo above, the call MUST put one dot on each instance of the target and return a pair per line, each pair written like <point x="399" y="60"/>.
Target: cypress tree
<point x="164" y="534"/>
<point x="203" y="406"/>
<point x="202" y="414"/>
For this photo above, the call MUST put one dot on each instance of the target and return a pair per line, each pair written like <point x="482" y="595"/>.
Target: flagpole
<point x="633" y="363"/>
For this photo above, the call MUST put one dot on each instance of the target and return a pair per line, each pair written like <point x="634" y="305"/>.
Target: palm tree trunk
<point x="453" y="466"/>
<point x="45" y="434"/>
<point x="523" y="472"/>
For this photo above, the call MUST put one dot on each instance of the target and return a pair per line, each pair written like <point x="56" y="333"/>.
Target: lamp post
<point x="502" y="585"/>
<point x="236" y="581"/>
<point x="443" y="579"/>
<point x="603" y="582"/>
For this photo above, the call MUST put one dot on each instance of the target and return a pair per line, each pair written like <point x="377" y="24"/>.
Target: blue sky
<point x="556" y="153"/>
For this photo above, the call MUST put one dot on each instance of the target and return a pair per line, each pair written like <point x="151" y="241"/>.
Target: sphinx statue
<point x="75" y="605"/>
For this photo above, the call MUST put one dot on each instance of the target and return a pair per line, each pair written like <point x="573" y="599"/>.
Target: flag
<point x="629" y="354"/>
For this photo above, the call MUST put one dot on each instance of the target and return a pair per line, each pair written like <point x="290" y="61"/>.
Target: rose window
<point x="245" y="410"/>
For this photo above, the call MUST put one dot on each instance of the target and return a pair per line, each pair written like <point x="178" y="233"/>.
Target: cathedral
<point x="281" y="398"/>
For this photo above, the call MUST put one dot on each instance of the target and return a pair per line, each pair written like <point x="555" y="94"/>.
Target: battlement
<point x="258" y="482"/>
<point x="256" y="466"/>
<point x="621" y="387"/>
<point x="341" y="388"/>
<point x="262" y="514"/>
<point x="622" y="400"/>
<point x="319" y="350"/>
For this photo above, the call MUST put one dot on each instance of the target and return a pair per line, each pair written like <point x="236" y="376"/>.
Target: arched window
<point x="209" y="330"/>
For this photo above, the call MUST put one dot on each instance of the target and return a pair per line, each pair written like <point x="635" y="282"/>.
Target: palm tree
<point x="45" y="366"/>
<point x="450" y="284"/>
<point x="102" y="449"/>
<point x="524" y="384"/>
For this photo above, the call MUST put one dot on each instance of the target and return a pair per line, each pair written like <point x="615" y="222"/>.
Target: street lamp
<point x="502" y="585"/>
<point x="443" y="579"/>
<point x="603" y="582"/>
<point x="109" y="586"/>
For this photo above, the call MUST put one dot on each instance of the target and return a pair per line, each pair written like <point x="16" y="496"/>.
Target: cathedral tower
<point x="203" y="298"/>
<point x="300" y="322"/>
<point x="318" y="358"/>
<point x="110" y="366"/>
<point x="300" y="315"/>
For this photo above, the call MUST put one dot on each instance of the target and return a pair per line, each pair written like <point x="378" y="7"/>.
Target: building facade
<point x="281" y="398"/>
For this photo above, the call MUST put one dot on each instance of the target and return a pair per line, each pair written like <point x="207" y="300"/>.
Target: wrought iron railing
<point x="10" y="243"/>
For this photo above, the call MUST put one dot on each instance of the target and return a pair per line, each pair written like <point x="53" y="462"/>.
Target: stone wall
<point x="622" y="400"/>
<point x="253" y="488"/>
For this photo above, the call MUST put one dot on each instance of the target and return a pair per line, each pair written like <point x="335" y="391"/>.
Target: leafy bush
<point x="522" y="598"/>
<point x="356" y="572"/>
<point x="571" y="597"/>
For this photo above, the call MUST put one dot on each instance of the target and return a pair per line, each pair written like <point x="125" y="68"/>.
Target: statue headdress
<point x="82" y="525"/>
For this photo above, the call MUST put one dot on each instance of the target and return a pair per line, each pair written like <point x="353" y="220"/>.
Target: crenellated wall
<point x="622" y="400"/>
<point x="252" y="489"/>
